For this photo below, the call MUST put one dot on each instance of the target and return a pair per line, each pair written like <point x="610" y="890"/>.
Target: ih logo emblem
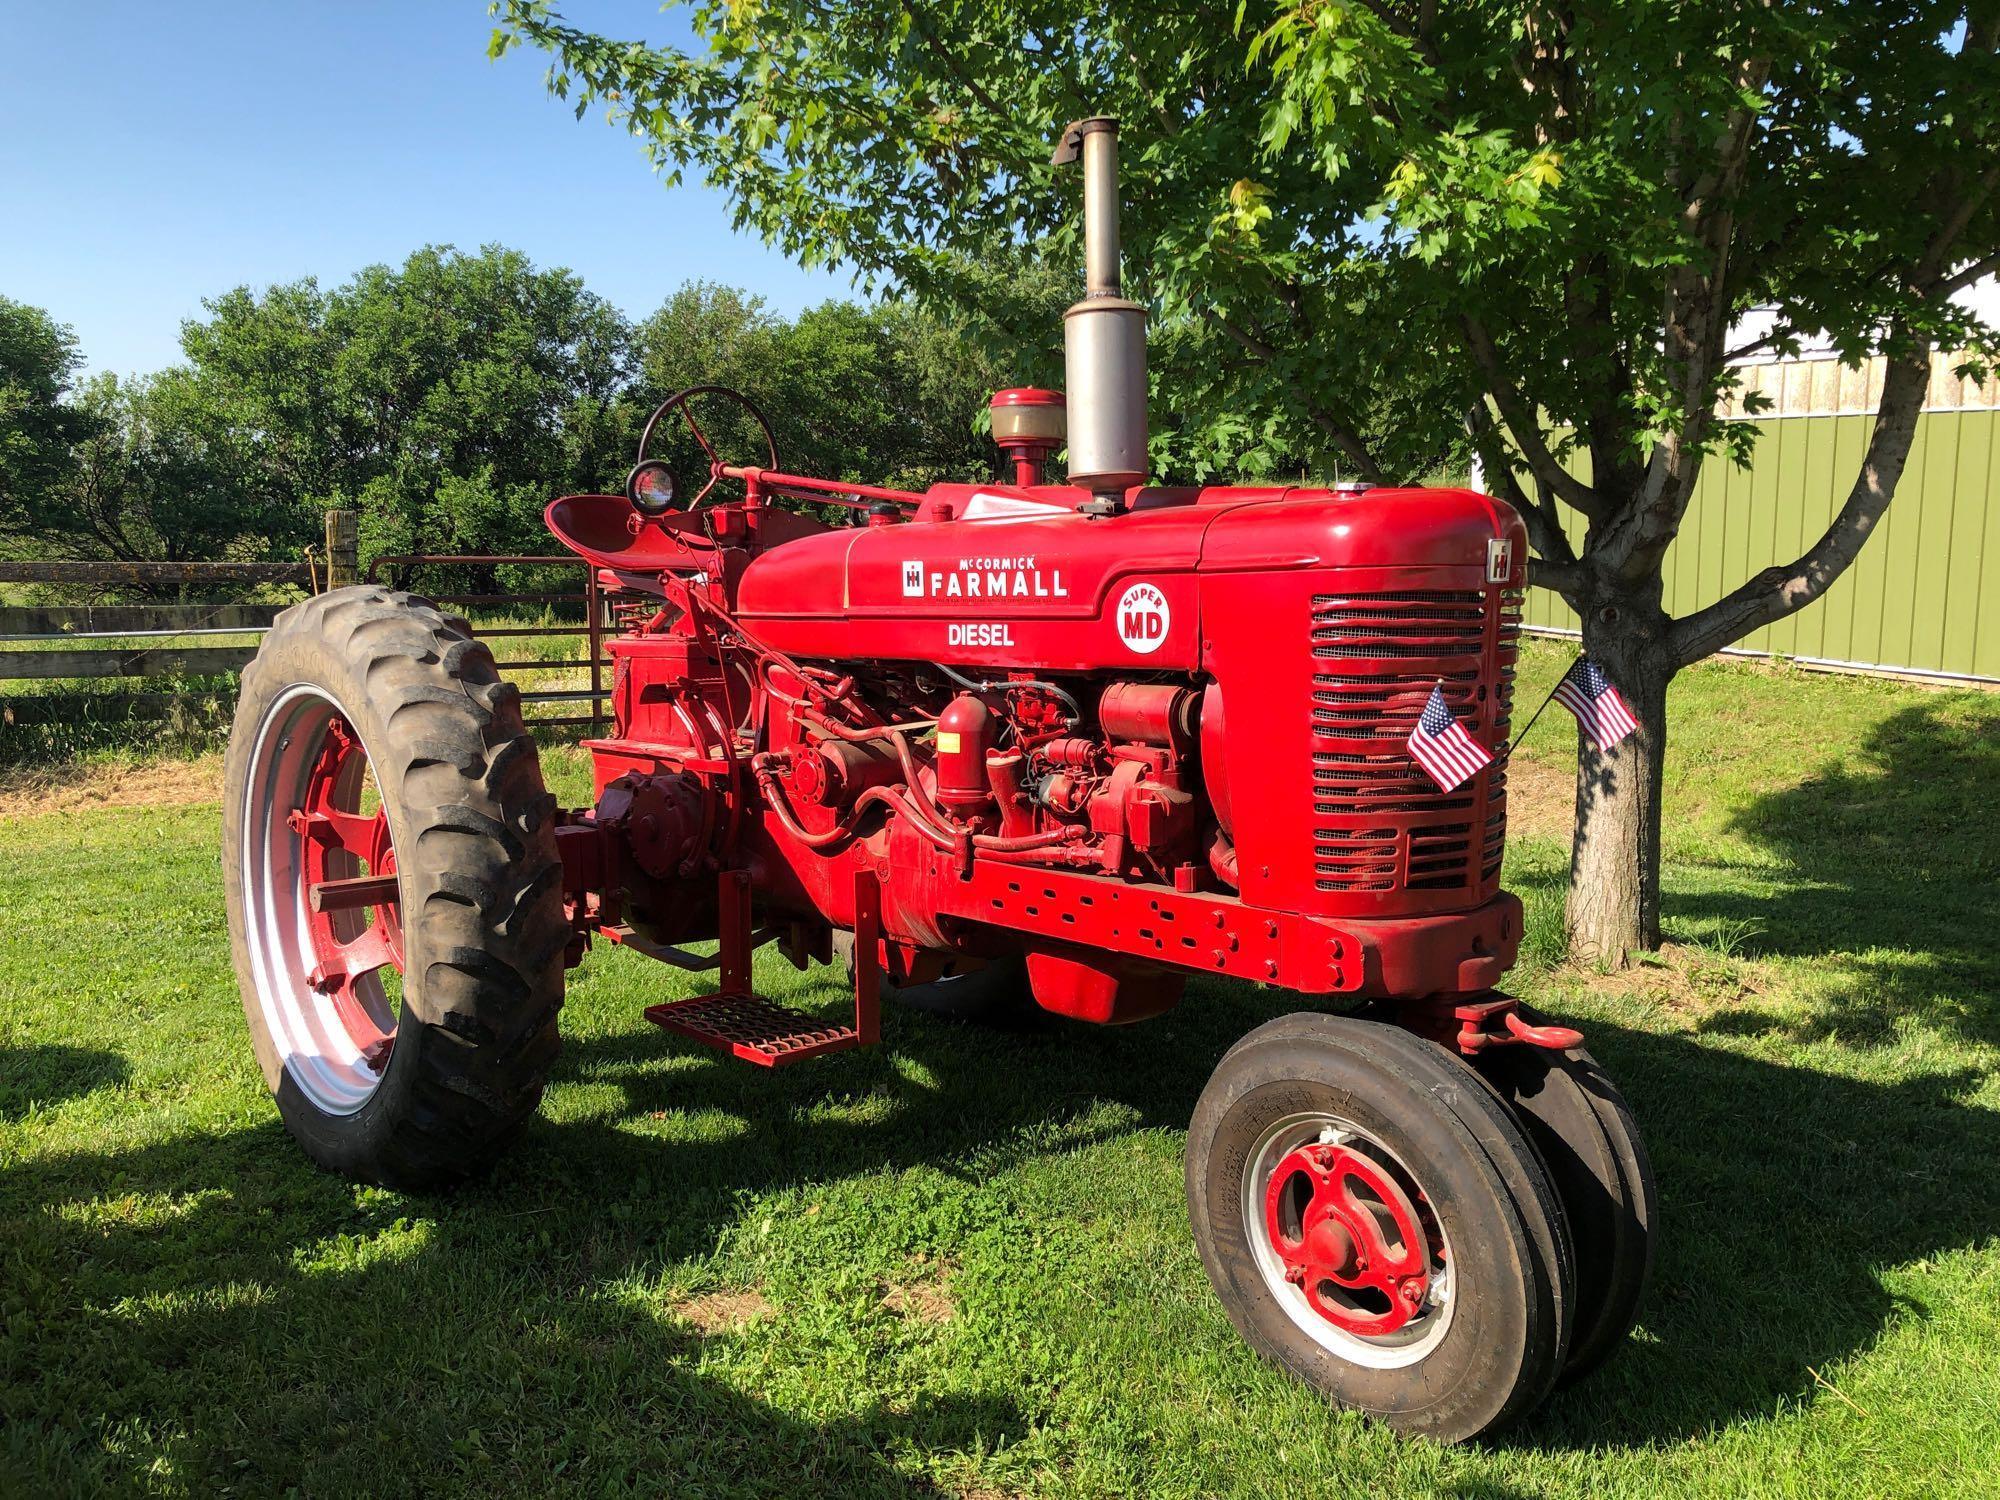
<point x="1499" y="559"/>
<point x="1143" y="618"/>
<point x="913" y="579"/>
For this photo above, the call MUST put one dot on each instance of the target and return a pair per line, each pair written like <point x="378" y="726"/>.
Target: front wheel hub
<point x="1347" y="1241"/>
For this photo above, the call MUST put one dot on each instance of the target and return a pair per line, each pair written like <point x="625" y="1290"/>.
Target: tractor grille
<point x="1380" y="824"/>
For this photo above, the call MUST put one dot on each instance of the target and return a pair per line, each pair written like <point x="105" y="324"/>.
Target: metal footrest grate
<point x="754" y="1028"/>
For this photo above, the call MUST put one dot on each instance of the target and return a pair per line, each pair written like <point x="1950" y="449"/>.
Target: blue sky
<point x="155" y="153"/>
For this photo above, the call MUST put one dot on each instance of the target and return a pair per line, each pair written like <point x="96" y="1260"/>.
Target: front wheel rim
<point x="1347" y="1242"/>
<point x="321" y="901"/>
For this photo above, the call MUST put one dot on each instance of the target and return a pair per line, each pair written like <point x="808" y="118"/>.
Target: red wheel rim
<point x="1347" y="1242"/>
<point x="319" y="901"/>
<point x="348" y="859"/>
<point x="1349" y="1238"/>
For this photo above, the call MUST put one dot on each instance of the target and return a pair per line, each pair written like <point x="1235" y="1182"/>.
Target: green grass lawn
<point x="959" y="1264"/>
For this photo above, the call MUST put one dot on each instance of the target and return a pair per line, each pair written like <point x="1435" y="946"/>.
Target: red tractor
<point x="1070" y="741"/>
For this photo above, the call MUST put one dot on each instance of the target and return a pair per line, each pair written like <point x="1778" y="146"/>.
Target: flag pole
<point x="1508" y="748"/>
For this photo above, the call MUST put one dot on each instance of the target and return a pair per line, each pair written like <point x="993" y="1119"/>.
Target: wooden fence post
<point x="343" y="549"/>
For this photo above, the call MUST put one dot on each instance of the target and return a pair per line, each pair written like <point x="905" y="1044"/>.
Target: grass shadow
<point x="1787" y="1194"/>
<point x="461" y="1365"/>
<point x="38" y="1076"/>
<point x="1893" y="863"/>
<point x="230" y="1265"/>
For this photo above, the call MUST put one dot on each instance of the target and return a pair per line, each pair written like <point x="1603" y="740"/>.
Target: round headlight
<point x="651" y="488"/>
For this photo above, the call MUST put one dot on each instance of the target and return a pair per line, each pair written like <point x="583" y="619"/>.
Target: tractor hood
<point x="1009" y="577"/>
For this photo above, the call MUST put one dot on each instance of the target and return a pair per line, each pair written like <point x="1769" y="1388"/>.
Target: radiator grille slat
<point x="1382" y="654"/>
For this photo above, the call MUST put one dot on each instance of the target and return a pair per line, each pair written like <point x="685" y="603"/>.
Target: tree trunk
<point x="1614" y="871"/>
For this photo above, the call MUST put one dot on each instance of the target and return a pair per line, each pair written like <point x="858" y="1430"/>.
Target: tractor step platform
<point x="754" y="1029"/>
<point x="762" y="1031"/>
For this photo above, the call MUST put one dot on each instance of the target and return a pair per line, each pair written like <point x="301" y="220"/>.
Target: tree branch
<point x="1694" y="328"/>
<point x="1744" y="351"/>
<point x="1417" y="34"/>
<point x="1965" y="276"/>
<point x="1168" y="124"/>
<point x="950" y="64"/>
<point x="1545" y="533"/>
<point x="1562" y="578"/>
<point x="1344" y="436"/>
<point x="1937" y="259"/>
<point x="1524" y="423"/>
<point x="1780" y="591"/>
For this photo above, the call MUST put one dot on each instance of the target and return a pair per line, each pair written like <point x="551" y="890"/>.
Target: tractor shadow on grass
<point x="1891" y="861"/>
<point x="248" y="1321"/>
<point x="1786" y="1192"/>
<point x="38" y="1076"/>
<point x="236" y="1326"/>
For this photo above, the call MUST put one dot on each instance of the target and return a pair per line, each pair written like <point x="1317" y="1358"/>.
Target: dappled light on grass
<point x="961" y="1265"/>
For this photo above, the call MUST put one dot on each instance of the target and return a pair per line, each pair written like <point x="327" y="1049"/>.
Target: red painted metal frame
<point x="762" y="483"/>
<point x="1212" y="932"/>
<point x="756" y="1030"/>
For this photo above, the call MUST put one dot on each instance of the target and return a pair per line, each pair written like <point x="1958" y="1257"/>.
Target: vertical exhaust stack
<point x="1104" y="336"/>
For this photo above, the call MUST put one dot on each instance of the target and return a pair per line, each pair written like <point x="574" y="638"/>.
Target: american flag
<point x="1586" y="692"/>
<point x="1441" y="746"/>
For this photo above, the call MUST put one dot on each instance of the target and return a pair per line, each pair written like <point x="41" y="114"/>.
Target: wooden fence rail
<point x="147" y="661"/>
<point x="399" y="568"/>
<point x="57" y="642"/>
<point x="85" y="622"/>
<point x="101" y="572"/>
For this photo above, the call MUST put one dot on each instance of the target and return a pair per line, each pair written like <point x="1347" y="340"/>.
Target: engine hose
<point x="1074" y="857"/>
<point x="946" y="831"/>
<point x="771" y="653"/>
<point x="775" y="796"/>
<point x="1222" y="860"/>
<point x="774" y="793"/>
<point x="915" y="786"/>
<point x="1053" y="689"/>
<point x="992" y="843"/>
<point x="879" y="732"/>
<point x="761" y="766"/>
<point x="984" y="843"/>
<point x="809" y="712"/>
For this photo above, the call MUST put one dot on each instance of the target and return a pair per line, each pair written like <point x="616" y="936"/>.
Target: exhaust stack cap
<point x="1104" y="336"/>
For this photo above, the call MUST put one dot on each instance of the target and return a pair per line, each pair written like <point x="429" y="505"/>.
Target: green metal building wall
<point x="1924" y="595"/>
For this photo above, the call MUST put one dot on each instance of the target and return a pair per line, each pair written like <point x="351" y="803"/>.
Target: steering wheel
<point x="652" y="486"/>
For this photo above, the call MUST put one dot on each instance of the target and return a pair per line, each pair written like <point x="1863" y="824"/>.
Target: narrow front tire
<point x="1375" y="1222"/>
<point x="1586" y="1134"/>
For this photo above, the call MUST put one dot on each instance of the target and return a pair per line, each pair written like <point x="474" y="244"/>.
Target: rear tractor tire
<point x="1375" y="1222"/>
<point x="395" y="895"/>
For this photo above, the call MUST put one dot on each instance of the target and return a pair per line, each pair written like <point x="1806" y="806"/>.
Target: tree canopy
<point x="441" y="399"/>
<point x="447" y="400"/>
<point x="39" y="430"/>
